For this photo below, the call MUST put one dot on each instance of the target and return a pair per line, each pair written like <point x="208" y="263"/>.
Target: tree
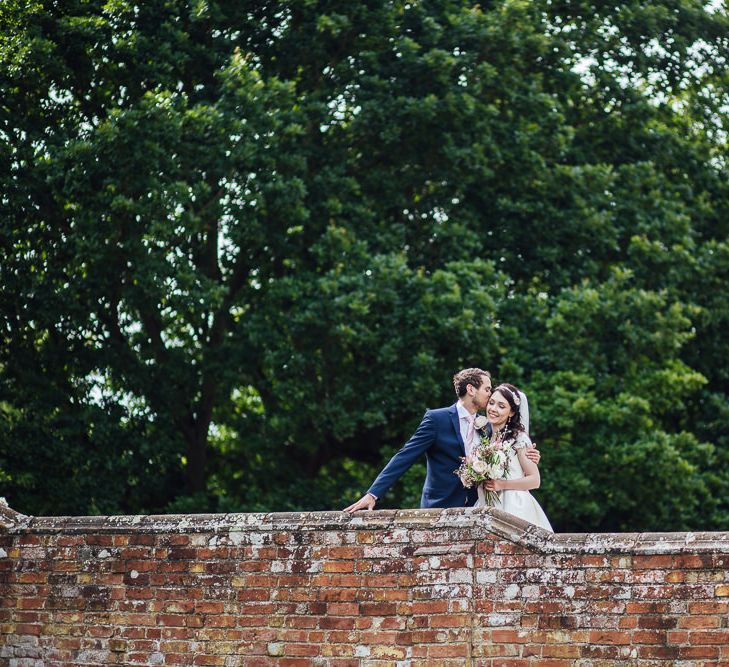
<point x="246" y="244"/>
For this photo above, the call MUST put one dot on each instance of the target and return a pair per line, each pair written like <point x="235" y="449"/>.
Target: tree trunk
<point x="195" y="472"/>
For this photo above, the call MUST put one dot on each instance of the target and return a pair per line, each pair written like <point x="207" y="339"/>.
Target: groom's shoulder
<point x="439" y="413"/>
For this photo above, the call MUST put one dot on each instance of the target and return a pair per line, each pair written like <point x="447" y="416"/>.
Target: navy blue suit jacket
<point x="439" y="438"/>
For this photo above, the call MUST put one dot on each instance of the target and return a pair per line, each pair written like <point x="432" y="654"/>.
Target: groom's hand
<point x="366" y="502"/>
<point x="533" y="454"/>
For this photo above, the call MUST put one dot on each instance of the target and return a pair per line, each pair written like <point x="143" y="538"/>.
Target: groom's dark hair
<point x="468" y="376"/>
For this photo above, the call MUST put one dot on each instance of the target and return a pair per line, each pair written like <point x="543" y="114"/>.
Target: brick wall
<point x="431" y="587"/>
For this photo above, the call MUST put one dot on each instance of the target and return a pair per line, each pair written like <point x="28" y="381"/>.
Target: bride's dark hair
<point x="513" y="425"/>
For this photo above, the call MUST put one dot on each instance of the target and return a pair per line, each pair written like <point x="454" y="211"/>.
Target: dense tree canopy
<point x="246" y="244"/>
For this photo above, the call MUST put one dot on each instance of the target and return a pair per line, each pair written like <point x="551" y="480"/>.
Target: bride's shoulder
<point x="522" y="440"/>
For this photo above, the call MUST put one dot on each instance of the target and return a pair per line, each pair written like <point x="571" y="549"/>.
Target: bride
<point x="504" y="411"/>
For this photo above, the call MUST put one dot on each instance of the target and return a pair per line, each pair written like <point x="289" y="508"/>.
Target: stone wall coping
<point x="8" y="516"/>
<point x="482" y="520"/>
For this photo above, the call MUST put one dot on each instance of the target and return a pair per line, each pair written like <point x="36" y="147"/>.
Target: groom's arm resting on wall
<point x="398" y="465"/>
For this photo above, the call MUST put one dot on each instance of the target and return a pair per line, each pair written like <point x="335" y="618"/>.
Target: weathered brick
<point x="709" y="637"/>
<point x="722" y="591"/>
<point x="302" y="649"/>
<point x="653" y="562"/>
<point x="609" y="637"/>
<point x="552" y="622"/>
<point x="450" y="621"/>
<point x="628" y="622"/>
<point x="171" y="619"/>
<point x="690" y="652"/>
<point x="560" y="651"/>
<point x="510" y="636"/>
<point x="647" y="607"/>
<point x="341" y="609"/>
<point x="600" y="651"/>
<point x="338" y="566"/>
<point x="710" y="607"/>
<point x="343" y="623"/>
<point x="658" y="652"/>
<point x="448" y="651"/>
<point x="657" y="622"/>
<point x="649" y="637"/>
<point x="701" y="621"/>
<point x="208" y="660"/>
<point x="206" y="607"/>
<point x="694" y="561"/>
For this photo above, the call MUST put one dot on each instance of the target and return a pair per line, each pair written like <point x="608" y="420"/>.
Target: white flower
<point x="496" y="471"/>
<point x="480" y="422"/>
<point x="480" y="467"/>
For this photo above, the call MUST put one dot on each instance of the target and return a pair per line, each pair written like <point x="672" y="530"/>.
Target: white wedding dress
<point x="519" y="503"/>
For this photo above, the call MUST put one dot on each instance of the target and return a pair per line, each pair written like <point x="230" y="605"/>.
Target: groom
<point x="443" y="436"/>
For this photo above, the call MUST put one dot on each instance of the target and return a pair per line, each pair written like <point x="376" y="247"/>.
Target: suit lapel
<point x="457" y="427"/>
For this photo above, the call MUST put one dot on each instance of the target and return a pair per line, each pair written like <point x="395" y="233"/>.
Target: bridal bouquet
<point x="488" y="460"/>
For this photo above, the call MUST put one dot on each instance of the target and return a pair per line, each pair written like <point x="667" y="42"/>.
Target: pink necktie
<point x="470" y="433"/>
